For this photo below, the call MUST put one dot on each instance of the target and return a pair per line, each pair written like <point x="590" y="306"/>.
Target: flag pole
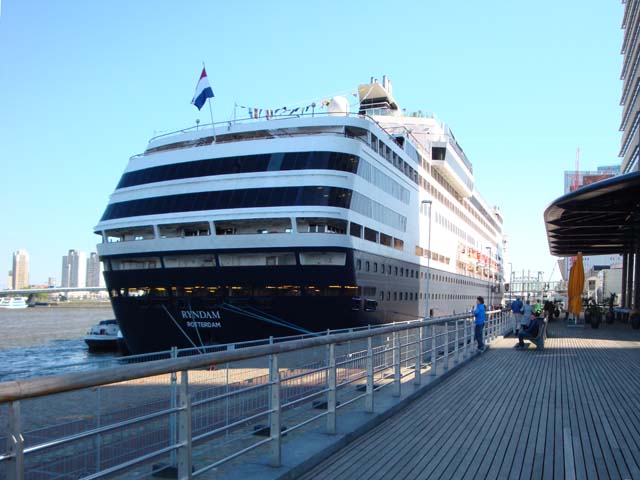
<point x="213" y="129"/>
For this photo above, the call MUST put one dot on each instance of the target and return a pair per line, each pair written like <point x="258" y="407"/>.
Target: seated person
<point x="530" y="331"/>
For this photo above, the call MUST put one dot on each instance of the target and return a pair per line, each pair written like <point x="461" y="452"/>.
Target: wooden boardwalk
<point x="571" y="411"/>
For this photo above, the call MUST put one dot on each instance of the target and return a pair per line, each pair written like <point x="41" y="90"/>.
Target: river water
<point x="45" y="340"/>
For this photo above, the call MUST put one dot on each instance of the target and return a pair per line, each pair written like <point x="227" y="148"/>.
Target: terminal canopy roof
<point x="601" y="218"/>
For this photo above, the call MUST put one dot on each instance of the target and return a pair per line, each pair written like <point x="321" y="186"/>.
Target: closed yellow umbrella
<point x="576" y="286"/>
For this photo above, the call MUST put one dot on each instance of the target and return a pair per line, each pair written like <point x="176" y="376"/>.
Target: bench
<point x="538" y="341"/>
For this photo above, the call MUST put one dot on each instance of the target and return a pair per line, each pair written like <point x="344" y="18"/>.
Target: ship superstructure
<point x="296" y="224"/>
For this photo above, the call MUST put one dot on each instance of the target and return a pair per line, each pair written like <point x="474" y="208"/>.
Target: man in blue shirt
<point x="480" y="313"/>
<point x="516" y="309"/>
<point x="531" y="330"/>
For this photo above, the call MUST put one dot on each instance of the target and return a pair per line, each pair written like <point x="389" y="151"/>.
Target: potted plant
<point x="595" y="314"/>
<point x="610" y="316"/>
<point x="634" y="318"/>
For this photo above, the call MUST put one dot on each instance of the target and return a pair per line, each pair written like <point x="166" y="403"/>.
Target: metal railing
<point x="134" y="420"/>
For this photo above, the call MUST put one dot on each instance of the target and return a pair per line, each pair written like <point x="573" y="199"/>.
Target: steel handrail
<point x="23" y="389"/>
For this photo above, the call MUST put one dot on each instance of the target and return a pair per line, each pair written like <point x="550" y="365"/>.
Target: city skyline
<point x="78" y="270"/>
<point x="520" y="101"/>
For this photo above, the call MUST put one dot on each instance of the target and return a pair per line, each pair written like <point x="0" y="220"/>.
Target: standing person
<point x="527" y="309"/>
<point x="516" y="310"/>
<point x="548" y="308"/>
<point x="537" y="308"/>
<point x="480" y="313"/>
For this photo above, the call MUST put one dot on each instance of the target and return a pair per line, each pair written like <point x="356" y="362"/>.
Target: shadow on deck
<point x="566" y="412"/>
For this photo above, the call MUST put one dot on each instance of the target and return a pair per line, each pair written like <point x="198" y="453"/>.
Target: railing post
<point x="446" y="346"/>
<point x="274" y="378"/>
<point x="173" y="418"/>
<point x="331" y="394"/>
<point x="417" y="379"/>
<point x="457" y="340"/>
<point x="15" y="443"/>
<point x="397" y="384"/>
<point x="368" y="401"/>
<point x="434" y="353"/>
<point x="465" y="322"/>
<point x="184" y="428"/>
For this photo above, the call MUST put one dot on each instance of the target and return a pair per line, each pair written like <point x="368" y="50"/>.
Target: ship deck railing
<point x="196" y="415"/>
<point x="390" y="131"/>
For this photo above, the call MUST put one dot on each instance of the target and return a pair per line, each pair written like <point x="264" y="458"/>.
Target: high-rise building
<point x="573" y="180"/>
<point x="588" y="177"/>
<point x="94" y="271"/>
<point x="74" y="269"/>
<point x="20" y="270"/>
<point x="630" y="100"/>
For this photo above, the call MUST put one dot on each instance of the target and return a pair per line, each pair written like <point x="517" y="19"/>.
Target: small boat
<point x="13" y="302"/>
<point x="103" y="336"/>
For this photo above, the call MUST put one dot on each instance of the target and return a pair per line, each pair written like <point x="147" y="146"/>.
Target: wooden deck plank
<point x="616" y="433"/>
<point x="586" y="451"/>
<point x="492" y="457"/>
<point x="583" y="421"/>
<point x="478" y="441"/>
<point x="573" y="459"/>
<point x="511" y="431"/>
<point x="463" y="418"/>
<point x="466" y="441"/>
<point x="533" y="450"/>
<point x="418" y="427"/>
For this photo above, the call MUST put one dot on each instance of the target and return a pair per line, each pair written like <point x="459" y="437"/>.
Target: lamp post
<point x="430" y="203"/>
<point x="540" y="276"/>
<point x="510" y="282"/>
<point x="490" y="275"/>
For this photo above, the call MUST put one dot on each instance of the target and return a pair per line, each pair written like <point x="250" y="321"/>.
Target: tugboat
<point x="103" y="336"/>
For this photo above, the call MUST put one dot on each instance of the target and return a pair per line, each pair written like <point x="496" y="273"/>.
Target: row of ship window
<point x="281" y="290"/>
<point x="267" y="162"/>
<point x="438" y="153"/>
<point x="411" y="273"/>
<point x="413" y="296"/>
<point x="258" y="197"/>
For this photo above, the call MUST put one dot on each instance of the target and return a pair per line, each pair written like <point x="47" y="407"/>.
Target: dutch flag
<point x="203" y="90"/>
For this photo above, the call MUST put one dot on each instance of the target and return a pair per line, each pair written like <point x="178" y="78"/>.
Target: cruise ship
<point x="297" y="223"/>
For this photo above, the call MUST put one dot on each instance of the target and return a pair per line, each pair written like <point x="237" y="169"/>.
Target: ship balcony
<point x="448" y="164"/>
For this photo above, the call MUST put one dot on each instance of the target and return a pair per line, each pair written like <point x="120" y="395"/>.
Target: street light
<point x="490" y="276"/>
<point x="430" y="203"/>
<point x="510" y="281"/>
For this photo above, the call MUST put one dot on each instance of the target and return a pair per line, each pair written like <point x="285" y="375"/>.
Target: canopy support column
<point x="636" y="281"/>
<point x="630" y="269"/>
<point x="623" y="287"/>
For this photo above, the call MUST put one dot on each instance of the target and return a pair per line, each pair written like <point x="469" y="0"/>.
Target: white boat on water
<point x="103" y="336"/>
<point x="13" y="302"/>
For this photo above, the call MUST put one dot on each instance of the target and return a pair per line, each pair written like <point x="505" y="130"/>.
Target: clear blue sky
<point x="84" y="85"/>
